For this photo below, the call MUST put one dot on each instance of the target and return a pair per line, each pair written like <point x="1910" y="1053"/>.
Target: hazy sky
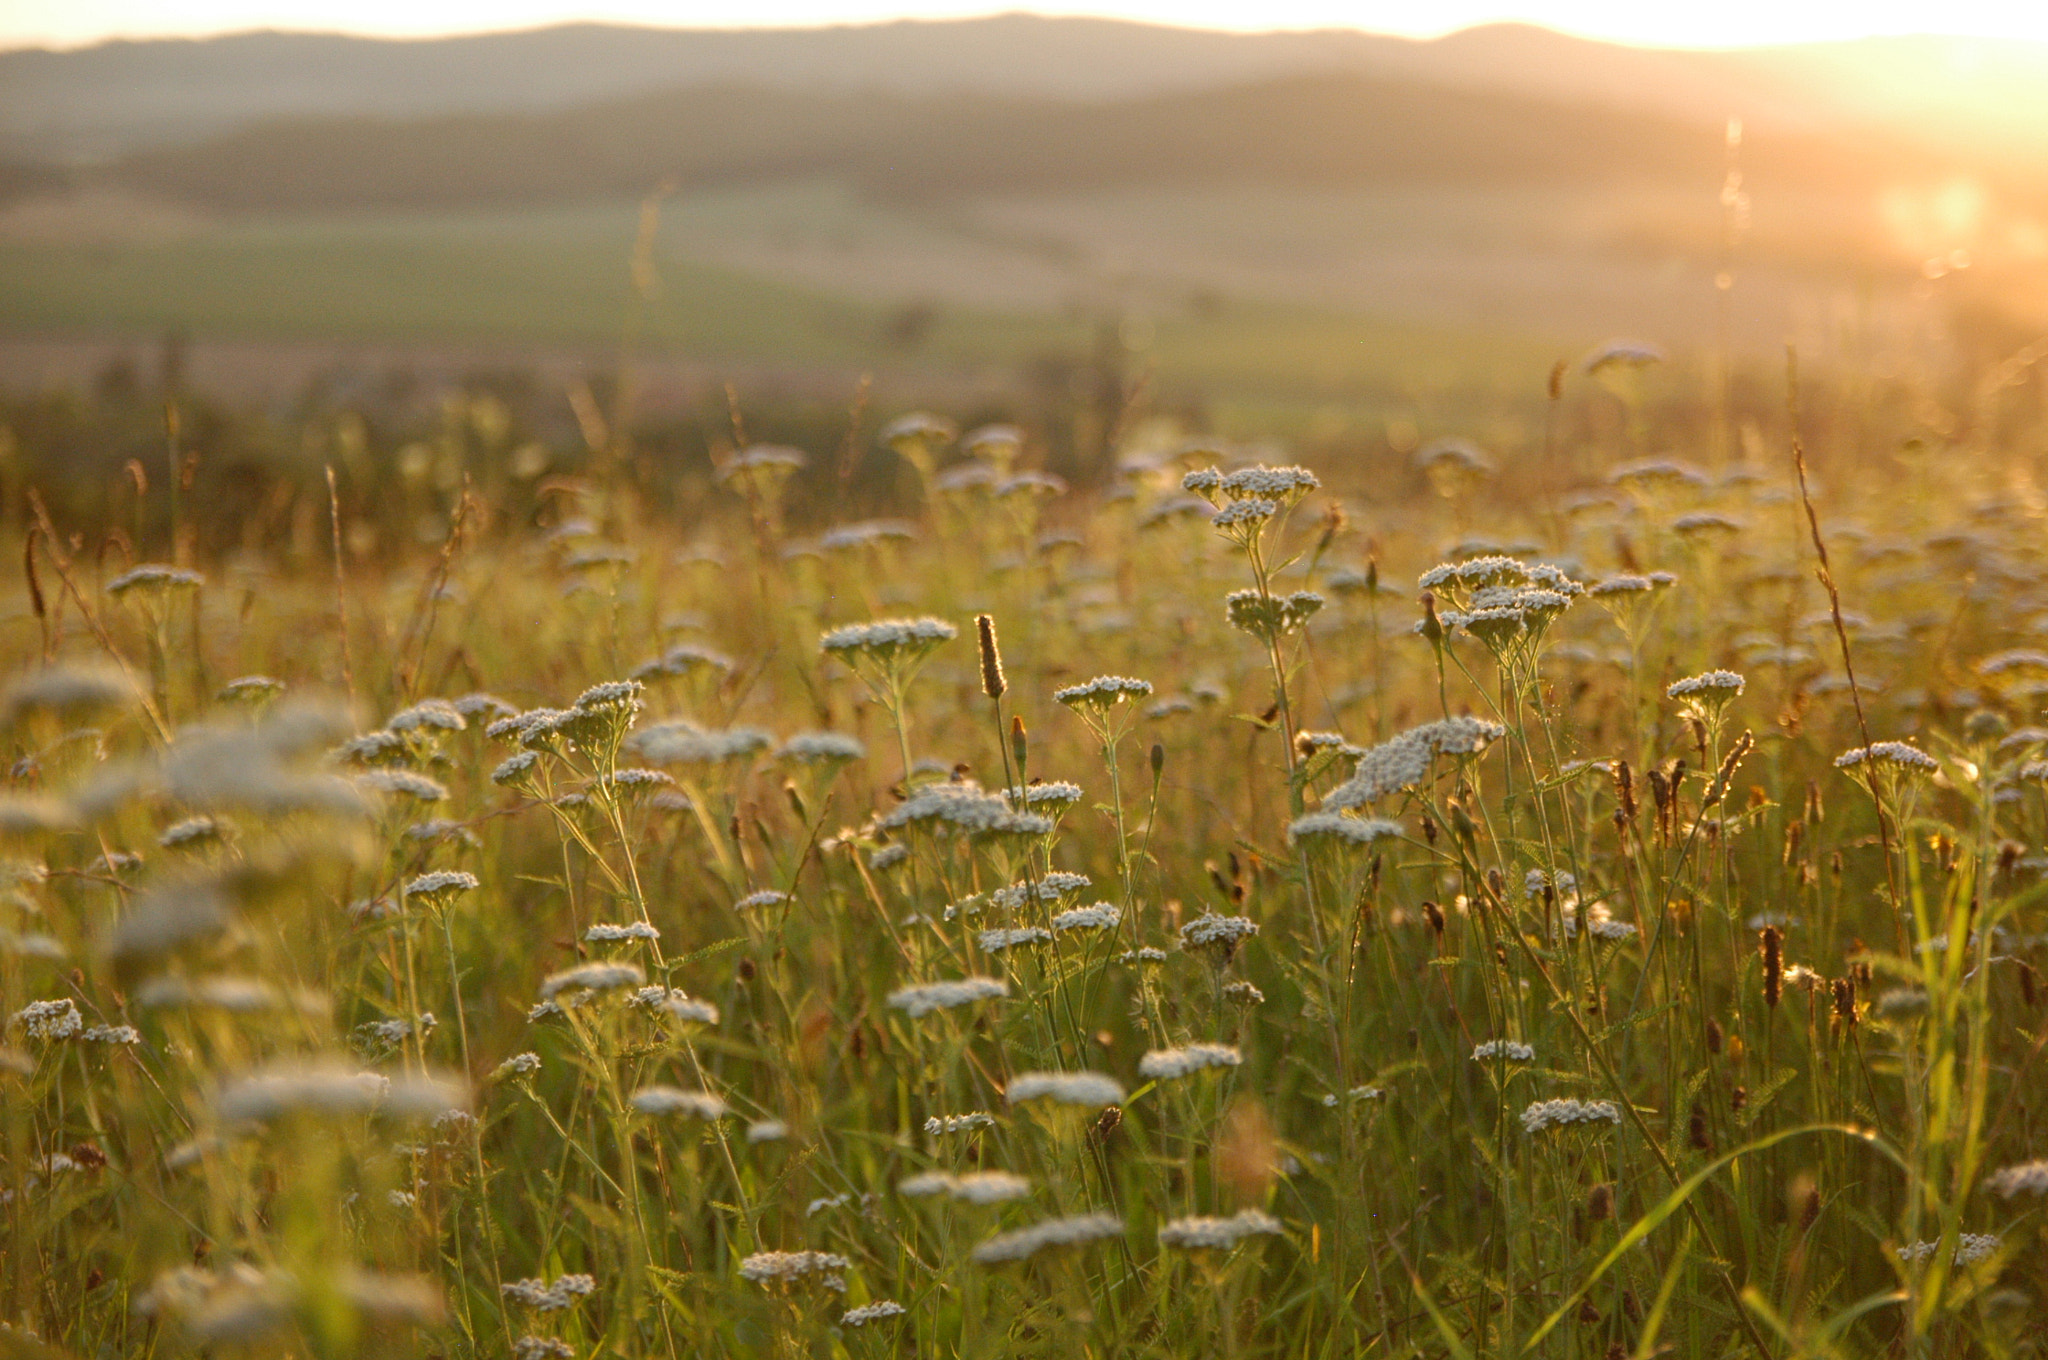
<point x="1720" y="23"/>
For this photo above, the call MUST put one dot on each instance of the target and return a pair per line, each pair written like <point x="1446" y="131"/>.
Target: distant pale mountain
<point x="119" y="98"/>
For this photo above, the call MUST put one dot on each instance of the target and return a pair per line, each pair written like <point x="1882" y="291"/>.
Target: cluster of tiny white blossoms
<point x="1628" y="586"/>
<point x="1051" y="1232"/>
<point x="1708" y="685"/>
<point x="888" y="638"/>
<point x="154" y="576"/>
<point x="1404" y="761"/>
<point x="57" y="1019"/>
<point x="788" y="1267"/>
<point x="963" y="806"/>
<point x="1211" y="929"/>
<point x="1270" y="616"/>
<point x="998" y="938"/>
<point x="977" y="1187"/>
<point x="690" y="1009"/>
<point x="605" y="933"/>
<point x="940" y="1124"/>
<point x="113" y="1034"/>
<point x="592" y="977"/>
<point x="1142" y="954"/>
<point x="767" y="897"/>
<point x="518" y="1065"/>
<point x="925" y="998"/>
<point x="1216" y="1234"/>
<point x="871" y="1312"/>
<point x="1895" y="755"/>
<point x="440" y="886"/>
<point x="1101" y="916"/>
<point x="409" y="783"/>
<point x="822" y="748"/>
<point x="542" y="1348"/>
<point x="1065" y="1088"/>
<point x="1503" y="1048"/>
<point x="662" y="1100"/>
<point x="1550" y="1114"/>
<point x="1341" y="827"/>
<point x="683" y="743"/>
<point x="1050" y="888"/>
<point x="1168" y="1064"/>
<point x="1261" y="483"/>
<point x="1104" y="691"/>
<point x="2030" y="1177"/>
<point x="550" y="1296"/>
<point x="1058" y="795"/>
<point x="1970" y="1248"/>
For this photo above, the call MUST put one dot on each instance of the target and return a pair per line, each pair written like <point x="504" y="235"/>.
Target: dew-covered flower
<point x="1051" y="1232"/>
<point x="1215" y="1234"/>
<point x="932" y="996"/>
<point x="1551" y="1114"/>
<point x="1091" y="1089"/>
<point x="1169" y="1064"/>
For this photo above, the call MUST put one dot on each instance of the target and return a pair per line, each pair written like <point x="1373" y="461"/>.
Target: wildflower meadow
<point x="1230" y="909"/>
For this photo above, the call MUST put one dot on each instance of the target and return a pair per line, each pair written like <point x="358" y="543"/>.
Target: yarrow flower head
<point x="933" y="996"/>
<point x="1551" y="1114"/>
<point x="1220" y="933"/>
<point x="664" y="1100"/>
<point x="887" y="654"/>
<point x="1892" y="756"/>
<point x="592" y="977"/>
<point x="1102" y="693"/>
<point x="1708" y="693"/>
<point x="1216" y="1234"/>
<point x="2028" y="1177"/>
<point x="792" y="1267"/>
<point x="871" y="1312"/>
<point x="1091" y="1089"/>
<point x="1168" y="1064"/>
<point x="1101" y="916"/>
<point x="1052" y="1232"/>
<point x="611" y="934"/>
<point x="1404" y="762"/>
<point x="439" y="888"/>
<point x="1509" y="1049"/>
<point x="550" y="1296"/>
<point x="50" y="1020"/>
<point x="1970" y="1249"/>
<point x="1270" y="616"/>
<point x="1341" y="829"/>
<point x="940" y="1124"/>
<point x="996" y="940"/>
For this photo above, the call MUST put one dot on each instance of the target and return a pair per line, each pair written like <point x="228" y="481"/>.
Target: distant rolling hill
<point x="117" y="98"/>
<point x="1340" y="131"/>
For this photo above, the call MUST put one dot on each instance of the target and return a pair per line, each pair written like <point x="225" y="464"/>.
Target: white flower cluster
<point x="2030" y="1177"/>
<point x="767" y="897"/>
<point x="1341" y="827"/>
<point x="407" y="782"/>
<point x="999" y="938"/>
<point x="1404" y="761"/>
<point x="660" y="1100"/>
<point x="1473" y="574"/>
<point x="1050" y="888"/>
<point x="113" y="1034"/>
<point x="1065" y="1088"/>
<point x="977" y="1187"/>
<point x="57" y="1019"/>
<point x="964" y="806"/>
<point x="542" y="1348"/>
<point x="690" y="1009"/>
<point x="1970" y="1248"/>
<point x="550" y="1297"/>
<point x="1169" y="1064"/>
<point x="872" y="1312"/>
<point x="940" y="1124"/>
<point x="1216" y="1234"/>
<point x="681" y="660"/>
<point x="154" y="576"/>
<point x="1104" y="691"/>
<point x="518" y="1065"/>
<point x="1057" y="795"/>
<point x="1355" y="1093"/>
<point x="765" y="1267"/>
<point x="1896" y="754"/>
<point x="932" y="996"/>
<point x="594" y="977"/>
<point x="767" y="1131"/>
<point x="1708" y="684"/>
<point x="683" y="743"/>
<point x="1550" y="1114"/>
<point x="2017" y="659"/>
<point x="603" y="933"/>
<point x="1503" y="1048"/>
<point x="822" y="748"/>
<point x="1270" y="616"/>
<point x="1252" y="510"/>
<point x="332" y="1089"/>
<point x="1143" y="954"/>
<point x="440" y="885"/>
<point x="1211" y="929"/>
<point x="889" y="638"/>
<point x="1052" y="1232"/>
<point x="1629" y="585"/>
<point x="1101" y="916"/>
